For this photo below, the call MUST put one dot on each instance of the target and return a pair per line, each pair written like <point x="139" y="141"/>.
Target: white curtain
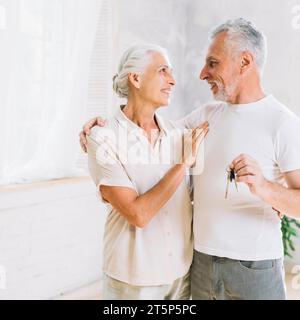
<point x="44" y="63"/>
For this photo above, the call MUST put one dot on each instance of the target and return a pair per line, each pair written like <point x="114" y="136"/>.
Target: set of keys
<point x="230" y="177"/>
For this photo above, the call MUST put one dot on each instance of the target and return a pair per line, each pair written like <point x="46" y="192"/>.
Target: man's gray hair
<point x="248" y="38"/>
<point x="134" y="60"/>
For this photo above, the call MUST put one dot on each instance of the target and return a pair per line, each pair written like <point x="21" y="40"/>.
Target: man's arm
<point x="190" y="121"/>
<point x="285" y="200"/>
<point x="187" y="122"/>
<point x="86" y="129"/>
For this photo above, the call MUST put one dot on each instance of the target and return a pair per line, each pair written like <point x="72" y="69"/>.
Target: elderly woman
<point x="148" y="242"/>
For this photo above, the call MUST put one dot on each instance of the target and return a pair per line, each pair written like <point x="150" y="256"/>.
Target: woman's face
<point x="157" y="81"/>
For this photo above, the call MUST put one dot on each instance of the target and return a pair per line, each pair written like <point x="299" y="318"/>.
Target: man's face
<point x="157" y="80"/>
<point x="222" y="69"/>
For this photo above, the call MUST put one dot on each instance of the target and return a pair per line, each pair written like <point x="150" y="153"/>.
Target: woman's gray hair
<point x="248" y="38"/>
<point x="135" y="59"/>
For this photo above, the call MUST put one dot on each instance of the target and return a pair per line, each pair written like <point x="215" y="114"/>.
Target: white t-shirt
<point x="242" y="226"/>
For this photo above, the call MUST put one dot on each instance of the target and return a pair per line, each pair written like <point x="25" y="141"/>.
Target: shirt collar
<point x="126" y="123"/>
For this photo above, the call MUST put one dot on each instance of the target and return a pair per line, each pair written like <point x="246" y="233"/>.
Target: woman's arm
<point x="140" y="209"/>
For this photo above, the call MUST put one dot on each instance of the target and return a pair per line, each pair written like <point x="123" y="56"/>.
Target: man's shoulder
<point x="208" y="110"/>
<point x="209" y="106"/>
<point x="202" y="113"/>
<point x="280" y="111"/>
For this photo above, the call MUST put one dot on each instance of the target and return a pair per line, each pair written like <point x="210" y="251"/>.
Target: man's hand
<point x="86" y="130"/>
<point x="192" y="142"/>
<point x="248" y="171"/>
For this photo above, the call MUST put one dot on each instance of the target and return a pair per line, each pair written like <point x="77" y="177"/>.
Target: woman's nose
<point x="172" y="80"/>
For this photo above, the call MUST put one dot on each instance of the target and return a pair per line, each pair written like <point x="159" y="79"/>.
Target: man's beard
<point x="224" y="93"/>
<point x="221" y="94"/>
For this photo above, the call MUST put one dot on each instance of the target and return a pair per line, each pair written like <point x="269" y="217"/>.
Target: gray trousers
<point x="214" y="278"/>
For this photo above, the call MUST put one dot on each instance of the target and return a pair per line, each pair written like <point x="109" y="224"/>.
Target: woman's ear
<point x="134" y="79"/>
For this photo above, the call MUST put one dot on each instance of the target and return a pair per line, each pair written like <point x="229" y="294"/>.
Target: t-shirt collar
<point x="250" y="106"/>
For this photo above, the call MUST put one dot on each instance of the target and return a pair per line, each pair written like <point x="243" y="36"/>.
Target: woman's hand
<point x="191" y="143"/>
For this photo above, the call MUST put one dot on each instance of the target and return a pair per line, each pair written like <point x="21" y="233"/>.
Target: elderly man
<point x="251" y="170"/>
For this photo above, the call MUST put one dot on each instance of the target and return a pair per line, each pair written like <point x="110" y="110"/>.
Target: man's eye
<point x="213" y="64"/>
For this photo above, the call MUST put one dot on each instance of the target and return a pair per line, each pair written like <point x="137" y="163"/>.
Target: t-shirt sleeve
<point x="104" y="164"/>
<point x="287" y="145"/>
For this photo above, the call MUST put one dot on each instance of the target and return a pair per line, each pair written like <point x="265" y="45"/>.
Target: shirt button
<point x="170" y="254"/>
<point x="168" y="233"/>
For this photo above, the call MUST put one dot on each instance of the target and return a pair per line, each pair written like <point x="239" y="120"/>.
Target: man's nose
<point x="203" y="74"/>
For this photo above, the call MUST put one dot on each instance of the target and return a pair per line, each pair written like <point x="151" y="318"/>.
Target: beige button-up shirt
<point x="121" y="155"/>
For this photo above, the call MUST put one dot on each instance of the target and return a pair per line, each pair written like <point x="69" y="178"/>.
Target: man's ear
<point x="246" y="61"/>
<point x="134" y="79"/>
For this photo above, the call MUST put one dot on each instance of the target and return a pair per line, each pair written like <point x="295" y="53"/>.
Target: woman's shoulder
<point x="100" y="133"/>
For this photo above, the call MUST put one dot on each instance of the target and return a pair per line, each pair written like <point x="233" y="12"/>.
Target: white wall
<point x="50" y="239"/>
